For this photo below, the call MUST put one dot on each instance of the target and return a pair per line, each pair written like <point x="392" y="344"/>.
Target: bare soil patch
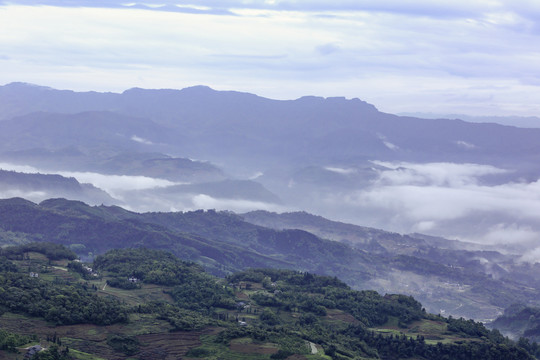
<point x="254" y="348"/>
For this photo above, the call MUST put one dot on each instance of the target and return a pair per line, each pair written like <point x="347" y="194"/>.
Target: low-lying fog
<point x="440" y="199"/>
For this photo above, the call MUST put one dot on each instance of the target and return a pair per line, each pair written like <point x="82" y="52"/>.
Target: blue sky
<point x="471" y="57"/>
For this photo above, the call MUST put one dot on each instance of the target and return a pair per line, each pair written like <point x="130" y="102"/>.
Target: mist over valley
<point x="325" y="180"/>
<point x="464" y="192"/>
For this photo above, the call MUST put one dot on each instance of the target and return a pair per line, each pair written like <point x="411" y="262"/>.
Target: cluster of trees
<point x="54" y="352"/>
<point x="306" y="292"/>
<point x="200" y="299"/>
<point x="401" y="346"/>
<point x="10" y="341"/>
<point x="60" y="304"/>
<point x="192" y="288"/>
<point x="289" y="292"/>
<point x="468" y="327"/>
<point x="180" y="319"/>
<point x="123" y="283"/>
<point x="128" y="345"/>
<point x="532" y="347"/>
<point x="79" y="268"/>
<point x="150" y="266"/>
<point x="51" y="250"/>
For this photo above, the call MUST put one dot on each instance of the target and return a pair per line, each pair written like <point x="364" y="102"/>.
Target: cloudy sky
<point x="477" y="57"/>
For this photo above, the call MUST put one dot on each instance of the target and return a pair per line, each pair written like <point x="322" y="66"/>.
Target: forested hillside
<point x="147" y="304"/>
<point x="453" y="281"/>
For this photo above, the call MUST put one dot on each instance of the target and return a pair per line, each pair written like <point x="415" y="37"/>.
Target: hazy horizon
<point x="476" y="58"/>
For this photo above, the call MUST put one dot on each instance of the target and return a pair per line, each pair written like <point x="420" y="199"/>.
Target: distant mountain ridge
<point x="200" y="148"/>
<point x="45" y="186"/>
<point x="217" y="124"/>
<point x="518" y="121"/>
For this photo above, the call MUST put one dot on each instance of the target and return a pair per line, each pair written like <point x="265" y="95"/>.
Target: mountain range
<point x="155" y="157"/>
<point x="448" y="279"/>
<point x="331" y="156"/>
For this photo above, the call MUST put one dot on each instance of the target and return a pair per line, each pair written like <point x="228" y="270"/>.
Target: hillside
<point x="171" y="309"/>
<point x="241" y="128"/>
<point x="335" y="157"/>
<point x="519" y="321"/>
<point x="45" y="186"/>
<point x="224" y="242"/>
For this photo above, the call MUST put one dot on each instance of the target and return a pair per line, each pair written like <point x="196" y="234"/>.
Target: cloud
<point x="136" y="193"/>
<point x="451" y="200"/>
<point x="465" y="145"/>
<point x="434" y="174"/>
<point x="148" y="200"/>
<point x="141" y="140"/>
<point x="19" y="168"/>
<point x="440" y="199"/>
<point x="531" y="256"/>
<point x="402" y="56"/>
<point x="341" y="171"/>
<point x="255" y="176"/>
<point x="116" y="185"/>
<point x="494" y="11"/>
<point x="501" y="233"/>
<point x="203" y="201"/>
<point x="34" y="196"/>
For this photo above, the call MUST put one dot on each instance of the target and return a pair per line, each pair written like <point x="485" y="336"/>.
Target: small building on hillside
<point x="31" y="351"/>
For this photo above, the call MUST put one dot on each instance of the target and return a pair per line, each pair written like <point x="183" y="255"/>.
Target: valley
<point x="233" y="182"/>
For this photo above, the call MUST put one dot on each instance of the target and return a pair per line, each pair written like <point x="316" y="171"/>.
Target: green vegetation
<point x="128" y="345"/>
<point x="178" y="310"/>
<point x="10" y="341"/>
<point x="56" y="302"/>
<point x="54" y="352"/>
<point x="192" y="288"/>
<point x="50" y="250"/>
<point x="223" y="243"/>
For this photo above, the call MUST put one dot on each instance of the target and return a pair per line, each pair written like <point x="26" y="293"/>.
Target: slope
<point x="175" y="310"/>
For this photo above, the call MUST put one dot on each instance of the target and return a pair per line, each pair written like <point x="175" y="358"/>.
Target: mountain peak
<point x="25" y="85"/>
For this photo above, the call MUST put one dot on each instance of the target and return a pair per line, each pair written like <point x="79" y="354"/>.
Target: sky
<point x="475" y="57"/>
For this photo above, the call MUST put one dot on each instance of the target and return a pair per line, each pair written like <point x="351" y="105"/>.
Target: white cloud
<point x="34" y="196"/>
<point x="203" y="201"/>
<point x="424" y="226"/>
<point x="438" y="174"/>
<point x="466" y="145"/>
<point x="441" y="199"/>
<point x="532" y="256"/>
<point x="19" y="168"/>
<point x="115" y="185"/>
<point x="118" y="186"/>
<point x="141" y="140"/>
<point x="419" y="202"/>
<point x="502" y="233"/>
<point x="341" y="171"/>
<point x="257" y="175"/>
<point x="473" y="57"/>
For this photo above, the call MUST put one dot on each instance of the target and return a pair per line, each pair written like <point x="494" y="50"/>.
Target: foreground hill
<point x="146" y="304"/>
<point x="224" y="242"/>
